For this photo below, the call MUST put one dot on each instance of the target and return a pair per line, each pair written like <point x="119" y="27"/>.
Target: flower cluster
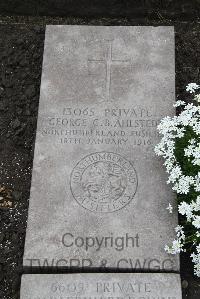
<point x="183" y="182"/>
<point x="196" y="260"/>
<point x="178" y="244"/>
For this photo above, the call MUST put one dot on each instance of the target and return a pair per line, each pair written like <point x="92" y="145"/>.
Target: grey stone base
<point x="101" y="286"/>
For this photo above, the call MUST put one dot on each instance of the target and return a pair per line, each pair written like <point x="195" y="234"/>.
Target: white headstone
<point x="99" y="194"/>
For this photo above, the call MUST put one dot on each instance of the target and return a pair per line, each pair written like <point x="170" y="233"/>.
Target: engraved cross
<point x="109" y="61"/>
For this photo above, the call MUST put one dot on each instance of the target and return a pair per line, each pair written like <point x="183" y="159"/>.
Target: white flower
<point x="197" y="97"/>
<point x="180" y="233"/>
<point x="196" y="221"/>
<point x="193" y="151"/>
<point x="179" y="103"/>
<point x="175" y="174"/>
<point x="177" y="245"/>
<point x="169" y="165"/>
<point x="179" y="229"/>
<point x="191" y="87"/>
<point x="196" y="204"/>
<point x="170" y="208"/>
<point x="196" y="261"/>
<point x="185" y="209"/>
<point x="197" y="182"/>
<point x="183" y="184"/>
<point x="196" y="127"/>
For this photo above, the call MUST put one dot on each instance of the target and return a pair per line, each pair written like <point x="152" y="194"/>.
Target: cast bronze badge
<point x="103" y="182"/>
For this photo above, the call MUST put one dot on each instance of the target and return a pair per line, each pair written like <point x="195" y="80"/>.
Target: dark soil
<point x="179" y="9"/>
<point x="21" y="51"/>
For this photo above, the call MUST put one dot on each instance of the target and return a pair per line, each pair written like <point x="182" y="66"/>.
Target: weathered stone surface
<point x="99" y="194"/>
<point x="104" y="285"/>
